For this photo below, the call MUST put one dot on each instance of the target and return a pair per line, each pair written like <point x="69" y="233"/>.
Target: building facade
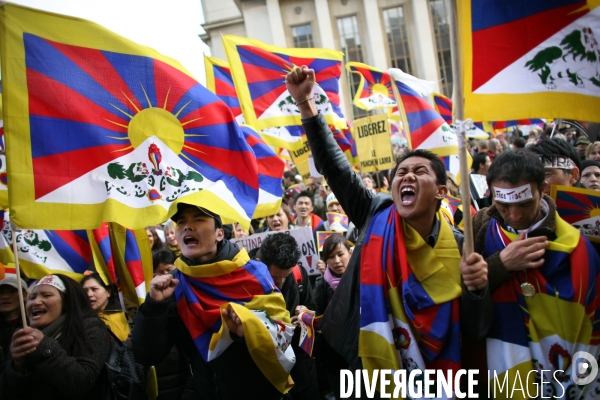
<point x="412" y="35"/>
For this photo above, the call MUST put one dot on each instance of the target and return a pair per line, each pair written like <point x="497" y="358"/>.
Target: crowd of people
<point x="396" y="289"/>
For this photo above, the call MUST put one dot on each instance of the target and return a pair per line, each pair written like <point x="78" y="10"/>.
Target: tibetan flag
<point x="508" y="124"/>
<point x="337" y="222"/>
<point x="513" y="71"/>
<point x="259" y="72"/>
<point x="341" y="138"/>
<point x="375" y="87"/>
<point x="309" y="325"/>
<point x="43" y="252"/>
<point x="286" y="137"/>
<point x="443" y="105"/>
<point x="580" y="208"/>
<point x="323" y="235"/>
<point x="220" y="82"/>
<point x="270" y="171"/>
<point x="133" y="261"/>
<point x="6" y="254"/>
<point x="102" y="253"/>
<point x="101" y="129"/>
<point x="426" y="128"/>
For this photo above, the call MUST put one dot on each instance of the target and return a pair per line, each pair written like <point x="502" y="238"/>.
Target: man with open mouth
<point x="222" y="310"/>
<point x="406" y="264"/>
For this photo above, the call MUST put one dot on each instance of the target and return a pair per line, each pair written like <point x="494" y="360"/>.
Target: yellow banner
<point x="373" y="144"/>
<point x="300" y="159"/>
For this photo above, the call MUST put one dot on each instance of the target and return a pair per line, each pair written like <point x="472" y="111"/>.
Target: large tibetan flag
<point x="102" y="253"/>
<point x="508" y="124"/>
<point x="220" y="82"/>
<point x="286" y="137"/>
<point x="259" y="72"/>
<point x="270" y="171"/>
<point x="99" y="128"/>
<point x="133" y="261"/>
<point x="517" y="65"/>
<point x="375" y="87"/>
<point x="426" y="128"/>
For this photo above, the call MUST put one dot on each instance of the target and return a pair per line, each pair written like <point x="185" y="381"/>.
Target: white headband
<point x="558" y="162"/>
<point x="515" y="195"/>
<point x="53" y="280"/>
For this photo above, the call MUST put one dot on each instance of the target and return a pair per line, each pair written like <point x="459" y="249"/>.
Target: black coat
<point x="56" y="375"/>
<point x="341" y="321"/>
<point x="232" y="375"/>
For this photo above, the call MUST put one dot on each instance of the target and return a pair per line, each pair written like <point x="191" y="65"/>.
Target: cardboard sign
<point x="300" y="159"/>
<point x="580" y="208"/>
<point x="306" y="243"/>
<point x="373" y="144"/>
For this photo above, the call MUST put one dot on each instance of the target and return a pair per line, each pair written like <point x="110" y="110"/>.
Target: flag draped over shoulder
<point x="220" y="82"/>
<point x="542" y="333"/>
<point x="512" y="71"/>
<point x="259" y="72"/>
<point x="409" y="297"/>
<point x="247" y="286"/>
<point x="133" y="261"/>
<point x="270" y="171"/>
<point x="427" y="129"/>
<point x="100" y="129"/>
<point x="375" y="87"/>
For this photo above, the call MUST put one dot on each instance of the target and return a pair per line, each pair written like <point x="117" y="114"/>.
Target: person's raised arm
<point x="300" y="83"/>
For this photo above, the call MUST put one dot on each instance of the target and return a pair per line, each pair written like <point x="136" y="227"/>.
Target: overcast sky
<point x="171" y="27"/>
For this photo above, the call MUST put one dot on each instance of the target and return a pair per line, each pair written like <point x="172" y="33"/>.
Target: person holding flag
<point x="407" y="253"/>
<point x="220" y="309"/>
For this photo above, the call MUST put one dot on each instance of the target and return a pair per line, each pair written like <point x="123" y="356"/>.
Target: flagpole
<point x="458" y="104"/>
<point x="18" y="272"/>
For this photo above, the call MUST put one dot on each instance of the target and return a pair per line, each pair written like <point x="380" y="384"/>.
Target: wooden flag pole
<point x="18" y="272"/>
<point x="458" y="107"/>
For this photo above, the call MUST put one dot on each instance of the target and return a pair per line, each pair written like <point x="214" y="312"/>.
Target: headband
<point x="513" y="195"/>
<point x="558" y="162"/>
<point x="53" y="280"/>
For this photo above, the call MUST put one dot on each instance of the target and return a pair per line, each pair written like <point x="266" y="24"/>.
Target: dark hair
<point x="76" y="307"/>
<point x="280" y="250"/>
<point x="157" y="242"/>
<point x="253" y="254"/>
<point x="436" y="163"/>
<point x="286" y="211"/>
<point x="162" y="256"/>
<point x="515" y="166"/>
<point x="331" y="244"/>
<point x="548" y="148"/>
<point x="478" y="161"/>
<point x="305" y="193"/>
<point x="113" y="301"/>
<point x="289" y="174"/>
<point x="519" y="142"/>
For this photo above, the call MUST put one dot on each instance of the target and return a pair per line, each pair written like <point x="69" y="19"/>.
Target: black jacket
<point x="298" y="295"/>
<point x="341" y="321"/>
<point x="232" y="375"/>
<point x="323" y="293"/>
<point x="55" y="375"/>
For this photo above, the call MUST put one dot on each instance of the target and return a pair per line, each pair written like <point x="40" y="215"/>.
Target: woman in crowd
<point x="10" y="312"/>
<point x="593" y="151"/>
<point x="281" y="220"/>
<point x="239" y="232"/>
<point x="336" y="254"/>
<point x="106" y="305"/>
<point x="590" y="174"/>
<point x="61" y="354"/>
<point x="170" y="239"/>
<point x="163" y="261"/>
<point x="155" y="242"/>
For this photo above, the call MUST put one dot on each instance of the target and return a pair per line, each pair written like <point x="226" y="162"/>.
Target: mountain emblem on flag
<point x="141" y="182"/>
<point x="29" y="242"/>
<point x="288" y="105"/>
<point x="577" y="58"/>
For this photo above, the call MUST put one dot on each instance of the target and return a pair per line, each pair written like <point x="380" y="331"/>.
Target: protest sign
<point x="373" y="144"/>
<point x="306" y="243"/>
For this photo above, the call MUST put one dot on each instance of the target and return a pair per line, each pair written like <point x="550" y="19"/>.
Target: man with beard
<point x="407" y="260"/>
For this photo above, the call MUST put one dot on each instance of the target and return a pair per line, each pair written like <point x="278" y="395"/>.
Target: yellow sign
<point x="373" y="144"/>
<point x="300" y="159"/>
